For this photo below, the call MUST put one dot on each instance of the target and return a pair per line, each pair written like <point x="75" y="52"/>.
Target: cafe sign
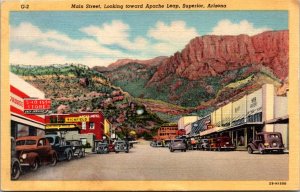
<point x="82" y="118"/>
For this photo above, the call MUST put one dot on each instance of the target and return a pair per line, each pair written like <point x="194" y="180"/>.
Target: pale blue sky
<point x="102" y="37"/>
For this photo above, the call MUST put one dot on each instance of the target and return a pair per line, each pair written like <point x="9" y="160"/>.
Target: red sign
<point x="36" y="106"/>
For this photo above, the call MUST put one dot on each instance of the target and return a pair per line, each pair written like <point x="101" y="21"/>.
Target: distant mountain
<point x="121" y="62"/>
<point x="208" y="71"/>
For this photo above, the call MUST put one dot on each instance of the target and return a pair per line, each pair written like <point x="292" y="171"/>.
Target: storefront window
<point x="83" y="125"/>
<point x="92" y="125"/>
<point x="84" y="141"/>
<point x="22" y="130"/>
<point x="241" y="137"/>
<point x="255" y="117"/>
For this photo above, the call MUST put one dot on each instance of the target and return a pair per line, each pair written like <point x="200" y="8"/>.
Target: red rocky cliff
<point x="211" y="55"/>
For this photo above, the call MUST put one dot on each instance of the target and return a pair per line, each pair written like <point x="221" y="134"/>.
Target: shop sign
<point x="239" y="109"/>
<point x="82" y="118"/>
<point x="254" y="102"/>
<point x="36" y="106"/>
<point x="60" y="126"/>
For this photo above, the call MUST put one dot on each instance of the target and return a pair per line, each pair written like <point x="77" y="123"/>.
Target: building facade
<point x="167" y="132"/>
<point x="24" y="124"/>
<point x="88" y="122"/>
<point x="259" y="111"/>
<point x="186" y="120"/>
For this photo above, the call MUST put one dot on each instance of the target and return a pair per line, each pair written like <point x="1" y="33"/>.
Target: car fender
<point x="31" y="157"/>
<point x="67" y="150"/>
<point x="252" y="146"/>
<point x="262" y="146"/>
<point x="53" y="152"/>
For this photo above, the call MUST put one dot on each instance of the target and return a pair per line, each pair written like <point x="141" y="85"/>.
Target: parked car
<point x="203" y="145"/>
<point x="63" y="150"/>
<point x="192" y="143"/>
<point x="266" y="142"/>
<point x="78" y="149"/>
<point x="34" y="150"/>
<point x="152" y="143"/>
<point x="159" y="144"/>
<point x="178" y="144"/>
<point x="221" y="143"/>
<point x="122" y="146"/>
<point x="15" y="170"/>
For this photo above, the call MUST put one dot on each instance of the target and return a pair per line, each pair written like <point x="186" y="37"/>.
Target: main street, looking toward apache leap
<point x="144" y="162"/>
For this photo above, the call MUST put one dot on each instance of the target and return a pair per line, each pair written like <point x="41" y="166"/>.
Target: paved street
<point x="146" y="163"/>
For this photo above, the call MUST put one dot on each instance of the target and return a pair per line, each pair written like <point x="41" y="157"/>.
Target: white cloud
<point x="28" y="33"/>
<point x="226" y="27"/>
<point x="100" y="46"/>
<point x="177" y="33"/>
<point x="34" y="58"/>
<point x="115" y="33"/>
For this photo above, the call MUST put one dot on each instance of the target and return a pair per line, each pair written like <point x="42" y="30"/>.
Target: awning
<point x="278" y="120"/>
<point x="240" y="125"/>
<point x="62" y="127"/>
<point x="210" y="131"/>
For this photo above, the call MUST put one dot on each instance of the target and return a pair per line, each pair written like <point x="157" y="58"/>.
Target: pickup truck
<point x="63" y="150"/>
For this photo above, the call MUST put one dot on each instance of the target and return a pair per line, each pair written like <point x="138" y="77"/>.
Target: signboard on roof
<point x="82" y="118"/>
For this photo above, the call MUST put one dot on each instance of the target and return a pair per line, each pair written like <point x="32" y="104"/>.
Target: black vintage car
<point x="77" y="148"/>
<point x="122" y="146"/>
<point x="266" y="142"/>
<point x="15" y="163"/>
<point x="101" y="147"/>
<point x="62" y="148"/>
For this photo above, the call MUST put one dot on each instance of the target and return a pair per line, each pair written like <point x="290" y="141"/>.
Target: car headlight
<point x="73" y="148"/>
<point x="24" y="156"/>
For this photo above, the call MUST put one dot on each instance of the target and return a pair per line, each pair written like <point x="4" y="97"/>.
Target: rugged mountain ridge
<point x="212" y="55"/>
<point x="200" y="73"/>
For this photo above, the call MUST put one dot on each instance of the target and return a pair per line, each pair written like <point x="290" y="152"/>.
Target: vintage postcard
<point x="106" y="95"/>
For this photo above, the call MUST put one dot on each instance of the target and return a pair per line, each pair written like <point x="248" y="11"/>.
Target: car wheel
<point x="249" y="149"/>
<point x="69" y="156"/>
<point x="80" y="154"/>
<point x="34" y="166"/>
<point x="117" y="151"/>
<point x="184" y="150"/>
<point x="172" y="150"/>
<point x="53" y="160"/>
<point x="15" y="171"/>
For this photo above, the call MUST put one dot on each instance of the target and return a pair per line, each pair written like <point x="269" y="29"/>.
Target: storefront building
<point x="88" y="122"/>
<point x="253" y="113"/>
<point x="200" y="125"/>
<point x="186" y="120"/>
<point x="24" y="124"/>
<point x="167" y="132"/>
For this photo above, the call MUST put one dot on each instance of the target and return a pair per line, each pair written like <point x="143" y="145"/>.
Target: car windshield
<point x="178" y="140"/>
<point x="50" y="139"/>
<point x="26" y="142"/>
<point x="273" y="136"/>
